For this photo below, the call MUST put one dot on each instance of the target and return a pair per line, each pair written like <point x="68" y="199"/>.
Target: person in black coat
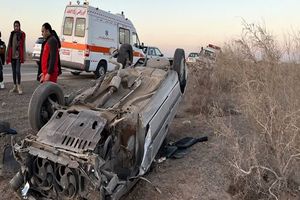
<point x="53" y="32"/>
<point x="2" y="61"/>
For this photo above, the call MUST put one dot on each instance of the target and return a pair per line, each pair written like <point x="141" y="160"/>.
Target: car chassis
<point x="100" y="141"/>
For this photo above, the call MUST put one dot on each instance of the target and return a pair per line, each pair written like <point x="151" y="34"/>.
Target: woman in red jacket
<point x="16" y="55"/>
<point x="49" y="56"/>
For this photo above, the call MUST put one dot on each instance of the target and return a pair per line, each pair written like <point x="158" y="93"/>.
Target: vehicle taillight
<point x="87" y="53"/>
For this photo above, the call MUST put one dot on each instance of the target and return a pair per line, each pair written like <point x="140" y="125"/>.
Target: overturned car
<point x="97" y="143"/>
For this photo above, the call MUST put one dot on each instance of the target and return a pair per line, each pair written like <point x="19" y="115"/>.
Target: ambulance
<point x="87" y="34"/>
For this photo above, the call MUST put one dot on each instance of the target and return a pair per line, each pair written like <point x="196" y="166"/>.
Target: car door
<point x="160" y="58"/>
<point x="152" y="58"/>
<point x="67" y="38"/>
<point x="73" y="35"/>
<point x="79" y="41"/>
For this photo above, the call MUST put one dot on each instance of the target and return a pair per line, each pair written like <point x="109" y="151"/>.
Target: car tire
<point x="75" y="73"/>
<point x="179" y="65"/>
<point x="125" y="54"/>
<point x="101" y="70"/>
<point x="40" y="109"/>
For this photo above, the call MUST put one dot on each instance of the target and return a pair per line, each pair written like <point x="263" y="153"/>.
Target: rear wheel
<point x="179" y="66"/>
<point x="41" y="105"/>
<point x="101" y="70"/>
<point x="75" y="73"/>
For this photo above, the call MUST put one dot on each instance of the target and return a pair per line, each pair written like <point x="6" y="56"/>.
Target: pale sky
<point x="167" y="24"/>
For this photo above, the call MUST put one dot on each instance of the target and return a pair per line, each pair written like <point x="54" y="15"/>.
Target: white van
<point x="88" y="33"/>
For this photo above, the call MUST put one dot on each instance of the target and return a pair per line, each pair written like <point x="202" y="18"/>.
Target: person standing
<point x="53" y="32"/>
<point x="49" y="56"/>
<point x="16" y="53"/>
<point x="2" y="61"/>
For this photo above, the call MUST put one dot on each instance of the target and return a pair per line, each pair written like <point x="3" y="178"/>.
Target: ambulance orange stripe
<point x="92" y="48"/>
<point x="84" y="47"/>
<point x="98" y="49"/>
<point x="71" y="45"/>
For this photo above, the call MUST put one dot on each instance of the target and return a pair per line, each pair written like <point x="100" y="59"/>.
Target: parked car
<point x="37" y="49"/>
<point x="210" y="52"/>
<point x="154" y="57"/>
<point x="99" y="142"/>
<point x="192" y="57"/>
<point x="208" y="55"/>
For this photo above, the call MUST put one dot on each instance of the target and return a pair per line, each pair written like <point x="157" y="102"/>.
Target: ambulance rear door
<point x="102" y="36"/>
<point x="73" y="36"/>
<point x="80" y="50"/>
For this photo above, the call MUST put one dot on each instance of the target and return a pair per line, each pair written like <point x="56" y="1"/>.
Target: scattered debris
<point x="179" y="148"/>
<point x="7" y="160"/>
<point x="5" y="129"/>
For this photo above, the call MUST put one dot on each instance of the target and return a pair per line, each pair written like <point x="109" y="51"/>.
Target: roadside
<point x="29" y="73"/>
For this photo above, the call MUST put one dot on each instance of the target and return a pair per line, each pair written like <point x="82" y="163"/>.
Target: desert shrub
<point x="210" y="89"/>
<point x="263" y="140"/>
<point x="199" y="91"/>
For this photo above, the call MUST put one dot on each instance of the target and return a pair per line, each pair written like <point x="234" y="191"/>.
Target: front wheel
<point x="75" y="73"/>
<point x="179" y="65"/>
<point x="100" y="71"/>
<point x="42" y="104"/>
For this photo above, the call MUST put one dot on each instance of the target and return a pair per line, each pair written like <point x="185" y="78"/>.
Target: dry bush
<point x="199" y="93"/>
<point x="292" y="47"/>
<point x="204" y="95"/>
<point x="263" y="142"/>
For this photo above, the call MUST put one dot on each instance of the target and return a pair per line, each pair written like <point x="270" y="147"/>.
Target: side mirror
<point x="161" y="55"/>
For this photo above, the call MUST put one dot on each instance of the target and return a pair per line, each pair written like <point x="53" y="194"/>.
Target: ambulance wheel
<point x="179" y="66"/>
<point x="43" y="104"/>
<point x="75" y="73"/>
<point x="125" y="55"/>
<point x="101" y="70"/>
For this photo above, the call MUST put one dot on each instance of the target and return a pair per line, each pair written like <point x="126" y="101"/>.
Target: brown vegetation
<point x="251" y="100"/>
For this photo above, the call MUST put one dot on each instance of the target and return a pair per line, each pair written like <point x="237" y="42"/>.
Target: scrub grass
<point x="252" y="101"/>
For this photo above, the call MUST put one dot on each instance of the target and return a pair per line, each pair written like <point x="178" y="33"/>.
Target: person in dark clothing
<point x="16" y="53"/>
<point x="39" y="73"/>
<point x="49" y="55"/>
<point x="2" y="61"/>
<point x="53" y="32"/>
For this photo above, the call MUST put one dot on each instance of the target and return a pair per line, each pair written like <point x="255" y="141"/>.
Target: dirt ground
<point x="201" y="174"/>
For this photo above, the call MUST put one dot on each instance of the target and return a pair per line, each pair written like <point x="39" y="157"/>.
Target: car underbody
<point x="99" y="143"/>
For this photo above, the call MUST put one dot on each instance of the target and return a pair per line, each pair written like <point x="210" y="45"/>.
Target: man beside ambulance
<point x="49" y="56"/>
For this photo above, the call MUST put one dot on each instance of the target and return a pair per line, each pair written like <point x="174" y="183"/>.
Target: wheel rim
<point x="101" y="71"/>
